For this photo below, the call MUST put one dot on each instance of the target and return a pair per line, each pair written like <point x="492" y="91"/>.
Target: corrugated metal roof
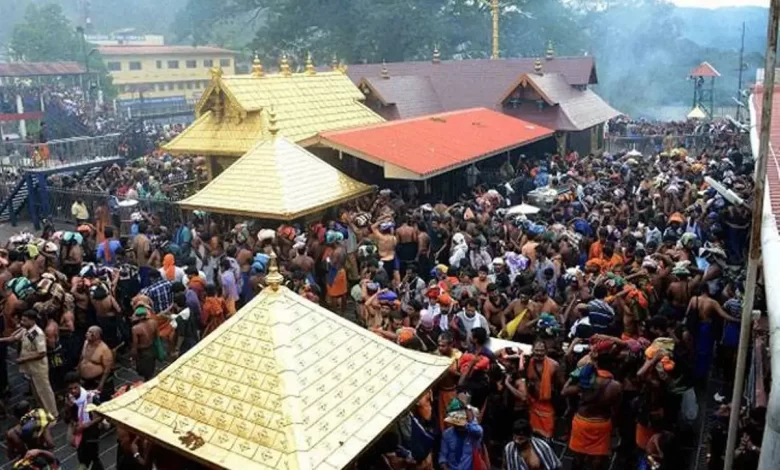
<point x="277" y="179"/>
<point x="304" y="105"/>
<point x="773" y="165"/>
<point x="705" y="69"/>
<point x="161" y="50"/>
<point x="412" y="96"/>
<point x="283" y="384"/>
<point x="35" y="69"/>
<point x="437" y="143"/>
<point x="572" y="109"/>
<point x="464" y="84"/>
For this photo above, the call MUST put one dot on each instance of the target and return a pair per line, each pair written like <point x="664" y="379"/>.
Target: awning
<point x="423" y="147"/>
<point x="283" y="384"/>
<point x="279" y="180"/>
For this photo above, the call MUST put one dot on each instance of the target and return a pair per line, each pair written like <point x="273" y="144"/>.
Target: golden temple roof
<point x="233" y="109"/>
<point x="277" y="179"/>
<point x="284" y="384"/>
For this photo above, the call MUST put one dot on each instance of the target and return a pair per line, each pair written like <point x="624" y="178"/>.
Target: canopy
<point x="697" y="113"/>
<point x="279" y="180"/>
<point x="522" y="209"/>
<point x="283" y="384"/>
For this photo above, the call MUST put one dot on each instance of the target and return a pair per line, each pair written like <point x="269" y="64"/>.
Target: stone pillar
<point x="560" y="142"/>
<point x="22" y="123"/>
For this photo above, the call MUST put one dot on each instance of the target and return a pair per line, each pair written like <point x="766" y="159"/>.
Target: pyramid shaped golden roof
<point x="232" y="109"/>
<point x="284" y="384"/>
<point x="277" y="179"/>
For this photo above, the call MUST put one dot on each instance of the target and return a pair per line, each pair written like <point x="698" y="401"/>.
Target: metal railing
<point x="16" y="156"/>
<point x="650" y="144"/>
<point x="61" y="200"/>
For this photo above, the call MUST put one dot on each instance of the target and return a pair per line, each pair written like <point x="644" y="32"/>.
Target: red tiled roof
<point x="36" y="69"/>
<point x="161" y="50"/>
<point x="704" y="70"/>
<point x="773" y="164"/>
<point x="433" y="144"/>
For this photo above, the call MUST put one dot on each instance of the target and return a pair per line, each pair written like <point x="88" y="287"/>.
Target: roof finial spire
<point x="216" y="73"/>
<point x="436" y="55"/>
<point x="385" y="73"/>
<point x="273" y="128"/>
<point x="538" y="66"/>
<point x="309" y="65"/>
<point x="496" y="12"/>
<point x="550" y="54"/>
<point x="274" y="278"/>
<point x="334" y="63"/>
<point x="284" y="67"/>
<point x="257" y="67"/>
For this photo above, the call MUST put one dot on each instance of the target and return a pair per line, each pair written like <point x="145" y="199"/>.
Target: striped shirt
<point x="514" y="458"/>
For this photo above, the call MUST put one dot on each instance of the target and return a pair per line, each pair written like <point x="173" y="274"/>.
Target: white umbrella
<point x="522" y="209"/>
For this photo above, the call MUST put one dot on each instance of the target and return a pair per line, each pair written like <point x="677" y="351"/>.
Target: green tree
<point x="45" y="34"/>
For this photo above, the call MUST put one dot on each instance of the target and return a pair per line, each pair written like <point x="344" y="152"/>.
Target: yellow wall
<point x="164" y="82"/>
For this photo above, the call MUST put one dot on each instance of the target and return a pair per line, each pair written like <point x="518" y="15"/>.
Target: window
<point x="114" y="66"/>
<point x="224" y="62"/>
<point x="170" y="86"/>
<point x="205" y="83"/>
<point x="208" y="63"/>
<point x="189" y="85"/>
<point x="173" y="64"/>
<point x="191" y="64"/>
<point x="159" y="64"/>
<point x="135" y="65"/>
<point x="121" y="88"/>
<point x="180" y="85"/>
<point x="161" y="87"/>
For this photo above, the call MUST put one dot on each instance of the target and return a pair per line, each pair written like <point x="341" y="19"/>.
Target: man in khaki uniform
<point x="33" y="362"/>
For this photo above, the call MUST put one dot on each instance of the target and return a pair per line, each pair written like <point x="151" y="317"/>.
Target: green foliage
<point x="45" y="34"/>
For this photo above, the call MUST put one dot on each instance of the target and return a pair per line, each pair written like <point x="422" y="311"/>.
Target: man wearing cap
<point x="33" y="361"/>
<point x="144" y="334"/>
<point x="461" y="440"/>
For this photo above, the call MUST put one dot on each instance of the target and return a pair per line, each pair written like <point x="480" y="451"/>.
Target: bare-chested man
<point x="600" y="396"/>
<point x="386" y="241"/>
<point x="33" y="268"/>
<point x="336" y="283"/>
<point x="302" y="260"/>
<point x="701" y="310"/>
<point x="521" y="314"/>
<point x="106" y="310"/>
<point x="680" y="291"/>
<point x="95" y="367"/>
<point x="142" y="351"/>
<point x="408" y="244"/>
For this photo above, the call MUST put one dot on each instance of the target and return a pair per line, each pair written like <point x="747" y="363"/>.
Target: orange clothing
<point x="541" y="409"/>
<point x="596" y="250"/>
<point x="169" y="267"/>
<point x="212" y="314"/>
<point x="338" y="286"/>
<point x="591" y="436"/>
<point x="610" y="264"/>
<point x="164" y="327"/>
<point x="643" y="435"/>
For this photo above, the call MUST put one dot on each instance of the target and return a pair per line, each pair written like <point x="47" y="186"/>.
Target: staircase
<point x="60" y="124"/>
<point x="16" y="200"/>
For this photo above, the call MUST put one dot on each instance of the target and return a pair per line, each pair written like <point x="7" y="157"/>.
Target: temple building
<point x="283" y="384"/>
<point x="277" y="179"/>
<point x="232" y="115"/>
<point x="550" y="91"/>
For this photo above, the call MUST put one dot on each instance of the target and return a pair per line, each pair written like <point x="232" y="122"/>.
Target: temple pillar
<point x="560" y="142"/>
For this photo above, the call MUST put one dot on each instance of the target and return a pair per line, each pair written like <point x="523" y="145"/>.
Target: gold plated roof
<point x="277" y="179"/>
<point x="305" y="104"/>
<point x="284" y="384"/>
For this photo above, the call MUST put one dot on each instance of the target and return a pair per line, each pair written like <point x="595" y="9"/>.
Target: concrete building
<point x="159" y="74"/>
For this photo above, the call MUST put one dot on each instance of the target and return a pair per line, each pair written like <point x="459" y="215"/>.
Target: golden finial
<point x="436" y="55"/>
<point x="343" y="68"/>
<point x="496" y="12"/>
<point x="334" y="63"/>
<point x="272" y="126"/>
<point x="385" y="73"/>
<point x="216" y="73"/>
<point x="309" y="65"/>
<point x="538" y="66"/>
<point x="550" y="54"/>
<point x="257" y="67"/>
<point x="274" y="278"/>
<point x="284" y="67"/>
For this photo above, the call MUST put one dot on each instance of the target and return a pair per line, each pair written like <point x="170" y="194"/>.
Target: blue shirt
<point x="113" y="246"/>
<point x="161" y="293"/>
<point x="457" y="450"/>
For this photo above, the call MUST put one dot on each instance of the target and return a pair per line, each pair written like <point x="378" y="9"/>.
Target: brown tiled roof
<point x="35" y="69"/>
<point x="464" y="84"/>
<point x="569" y="108"/>
<point x="161" y="50"/>
<point x="411" y="95"/>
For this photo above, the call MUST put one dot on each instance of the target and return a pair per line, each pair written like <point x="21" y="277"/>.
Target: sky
<point x="720" y="3"/>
